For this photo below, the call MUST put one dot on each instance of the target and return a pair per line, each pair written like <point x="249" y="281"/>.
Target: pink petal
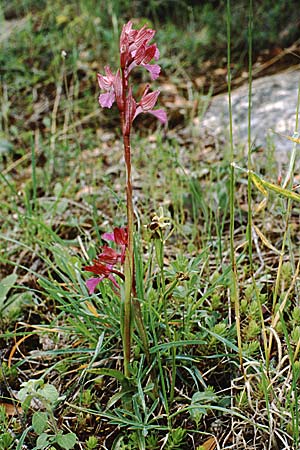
<point x="109" y="256"/>
<point x="154" y="70"/>
<point x="118" y="90"/>
<point x="148" y="101"/>
<point x="160" y="114"/>
<point x="107" y="100"/>
<point x="121" y="236"/>
<point x="108" y="236"/>
<point x="138" y="111"/>
<point x="139" y="54"/>
<point x="149" y="54"/>
<point x="144" y="35"/>
<point x="131" y="66"/>
<point x="126" y="31"/>
<point x="113" y="280"/>
<point x="91" y="283"/>
<point x="105" y="82"/>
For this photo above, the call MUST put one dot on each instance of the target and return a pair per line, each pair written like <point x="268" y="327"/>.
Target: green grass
<point x="62" y="186"/>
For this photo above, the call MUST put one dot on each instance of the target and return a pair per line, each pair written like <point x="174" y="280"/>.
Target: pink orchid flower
<point x="109" y="256"/>
<point x="107" y="259"/>
<point x="147" y="103"/>
<point x="107" y="84"/>
<point x="120" y="237"/>
<point x="134" y="51"/>
<point x="112" y="84"/>
<point x="104" y="272"/>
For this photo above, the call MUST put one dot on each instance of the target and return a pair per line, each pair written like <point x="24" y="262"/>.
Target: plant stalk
<point x="234" y="288"/>
<point x="129" y="256"/>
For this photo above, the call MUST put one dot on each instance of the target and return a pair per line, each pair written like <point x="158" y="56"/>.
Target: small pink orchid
<point x="147" y="103"/>
<point x="119" y="237"/>
<point x="134" y="51"/>
<point x="107" y="259"/>
<point x="109" y="256"/>
<point x="107" y="84"/>
<point x="104" y="272"/>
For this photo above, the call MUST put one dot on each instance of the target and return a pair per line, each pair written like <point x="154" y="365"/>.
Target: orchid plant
<point x="135" y="50"/>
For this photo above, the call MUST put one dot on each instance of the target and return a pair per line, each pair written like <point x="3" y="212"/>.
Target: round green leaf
<point x="42" y="441"/>
<point x="66" y="441"/>
<point x="49" y="392"/>
<point x="39" y="422"/>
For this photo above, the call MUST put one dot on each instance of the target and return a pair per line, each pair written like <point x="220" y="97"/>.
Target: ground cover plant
<point x="188" y="335"/>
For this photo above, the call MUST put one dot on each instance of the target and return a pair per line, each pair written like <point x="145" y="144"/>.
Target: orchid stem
<point x="134" y="51"/>
<point x="129" y="257"/>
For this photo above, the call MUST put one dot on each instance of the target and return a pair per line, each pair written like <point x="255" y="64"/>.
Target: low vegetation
<point x="216" y="238"/>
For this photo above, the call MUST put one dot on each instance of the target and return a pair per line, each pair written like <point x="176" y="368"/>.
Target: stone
<point x="274" y="104"/>
<point x="9" y="27"/>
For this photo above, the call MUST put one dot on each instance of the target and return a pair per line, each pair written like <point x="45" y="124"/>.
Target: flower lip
<point x="160" y="114"/>
<point x="111" y="84"/>
<point x="107" y="100"/>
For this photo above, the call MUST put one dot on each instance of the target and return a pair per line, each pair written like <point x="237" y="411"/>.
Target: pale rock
<point x="274" y="104"/>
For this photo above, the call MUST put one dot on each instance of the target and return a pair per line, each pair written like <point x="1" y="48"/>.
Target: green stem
<point x="141" y="328"/>
<point x="249" y="186"/>
<point x="234" y="278"/>
<point x="139" y="298"/>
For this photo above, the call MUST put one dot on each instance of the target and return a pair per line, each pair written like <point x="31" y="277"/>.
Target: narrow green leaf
<point x="113" y="373"/>
<point x="22" y="438"/>
<point x="5" y="285"/>
<point x="169" y="345"/>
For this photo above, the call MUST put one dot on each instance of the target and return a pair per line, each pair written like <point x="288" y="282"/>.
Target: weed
<point x="43" y="422"/>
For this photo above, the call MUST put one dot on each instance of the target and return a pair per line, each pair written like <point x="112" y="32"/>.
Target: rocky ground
<point x="274" y="106"/>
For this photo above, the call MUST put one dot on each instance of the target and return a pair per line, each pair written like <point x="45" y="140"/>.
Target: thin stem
<point x="249" y="186"/>
<point x="160" y="259"/>
<point x="127" y="155"/>
<point x="234" y="278"/>
<point x="129" y="256"/>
